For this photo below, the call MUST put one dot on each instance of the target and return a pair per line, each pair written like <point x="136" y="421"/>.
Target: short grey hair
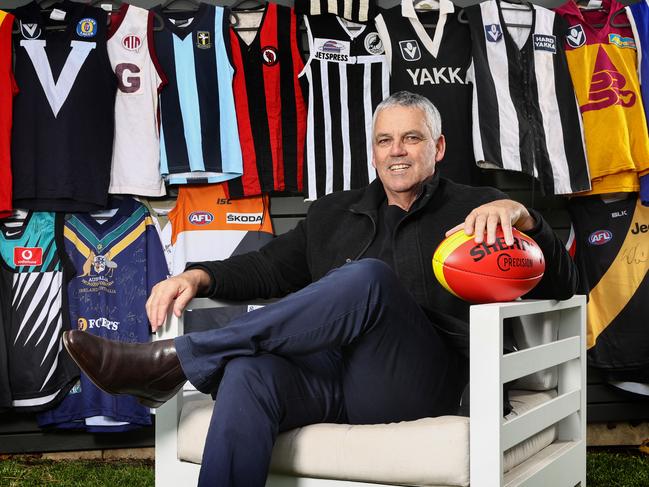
<point x="408" y="99"/>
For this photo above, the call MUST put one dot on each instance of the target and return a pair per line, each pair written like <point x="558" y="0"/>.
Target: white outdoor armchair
<point x="542" y="442"/>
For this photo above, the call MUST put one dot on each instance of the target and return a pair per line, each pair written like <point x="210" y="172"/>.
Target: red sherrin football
<point x="481" y="273"/>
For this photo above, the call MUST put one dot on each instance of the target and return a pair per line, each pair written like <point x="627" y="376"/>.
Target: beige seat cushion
<point x="429" y="451"/>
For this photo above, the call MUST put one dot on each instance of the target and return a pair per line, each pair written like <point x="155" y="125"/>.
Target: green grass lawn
<point x="606" y="468"/>
<point x="35" y="472"/>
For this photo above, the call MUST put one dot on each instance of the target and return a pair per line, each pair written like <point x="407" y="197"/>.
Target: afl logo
<point x="373" y="44"/>
<point x="131" y="42"/>
<point x="269" y="55"/>
<point x="82" y="324"/>
<point x="201" y="218"/>
<point x="87" y="27"/>
<point x="600" y="237"/>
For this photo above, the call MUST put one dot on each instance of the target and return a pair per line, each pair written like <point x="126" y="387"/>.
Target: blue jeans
<point x="353" y="347"/>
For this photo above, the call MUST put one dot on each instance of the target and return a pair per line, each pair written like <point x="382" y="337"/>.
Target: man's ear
<point x="440" y="145"/>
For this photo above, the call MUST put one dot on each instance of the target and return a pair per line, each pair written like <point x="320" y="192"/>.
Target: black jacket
<point x="339" y="228"/>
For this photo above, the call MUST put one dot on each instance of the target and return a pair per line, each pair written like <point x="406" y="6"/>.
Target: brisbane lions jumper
<point x="199" y="142"/>
<point x="34" y="272"/>
<point x="7" y="90"/>
<point x="63" y="115"/>
<point x="603" y="65"/>
<point x="525" y="116"/>
<point x="271" y="112"/>
<point x="347" y="77"/>
<point x="610" y="247"/>
<point x="434" y="64"/>
<point x="136" y="148"/>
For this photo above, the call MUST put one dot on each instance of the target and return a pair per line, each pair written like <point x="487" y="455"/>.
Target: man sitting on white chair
<point x="364" y="333"/>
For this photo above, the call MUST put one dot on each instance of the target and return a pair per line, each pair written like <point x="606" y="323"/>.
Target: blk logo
<point x="600" y="237"/>
<point x="606" y="86"/>
<point x="201" y="218"/>
<point x="410" y="50"/>
<point x="493" y="32"/>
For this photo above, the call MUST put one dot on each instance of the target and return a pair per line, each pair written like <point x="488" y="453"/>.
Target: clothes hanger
<point x="17" y="218"/>
<point x="527" y="7"/>
<point x="588" y="6"/>
<point x="188" y="5"/>
<point x="613" y="23"/>
<point x="427" y="6"/>
<point x="240" y="6"/>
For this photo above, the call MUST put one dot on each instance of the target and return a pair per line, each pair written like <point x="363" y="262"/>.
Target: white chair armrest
<point x="490" y="435"/>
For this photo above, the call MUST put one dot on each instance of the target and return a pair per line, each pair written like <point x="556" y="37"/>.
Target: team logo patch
<point x="373" y="43"/>
<point x="200" y="218"/>
<point x="493" y="32"/>
<point x="544" y="42"/>
<point x="332" y="46"/>
<point x="600" y="237"/>
<point x="131" y="42"/>
<point x="30" y="31"/>
<point x="622" y="42"/>
<point x="576" y="36"/>
<point x="410" y="50"/>
<point x="203" y="39"/>
<point x="87" y="27"/>
<point x="84" y="324"/>
<point x="607" y="86"/>
<point x="333" y="50"/>
<point x="28" y="256"/>
<point x="269" y="55"/>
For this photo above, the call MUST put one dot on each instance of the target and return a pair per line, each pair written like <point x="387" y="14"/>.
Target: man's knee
<point x="244" y="371"/>
<point x="372" y="271"/>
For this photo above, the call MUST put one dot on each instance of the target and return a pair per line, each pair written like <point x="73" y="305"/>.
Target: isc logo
<point x="600" y="237"/>
<point x="200" y="218"/>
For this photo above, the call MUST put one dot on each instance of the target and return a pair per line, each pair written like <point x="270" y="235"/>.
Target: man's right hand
<point x="177" y="290"/>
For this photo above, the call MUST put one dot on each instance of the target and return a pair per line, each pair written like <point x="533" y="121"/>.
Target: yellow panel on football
<point x="446" y="248"/>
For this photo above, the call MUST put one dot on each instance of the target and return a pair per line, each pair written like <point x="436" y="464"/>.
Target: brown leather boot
<point x="149" y="371"/>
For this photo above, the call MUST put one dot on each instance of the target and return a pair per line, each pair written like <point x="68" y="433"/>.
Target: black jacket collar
<point x="374" y="195"/>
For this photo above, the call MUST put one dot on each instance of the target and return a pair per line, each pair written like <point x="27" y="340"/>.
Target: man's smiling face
<point x="405" y="153"/>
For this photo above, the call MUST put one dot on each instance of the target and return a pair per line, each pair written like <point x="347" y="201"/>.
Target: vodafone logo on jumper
<point x="606" y="86"/>
<point x="28" y="256"/>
